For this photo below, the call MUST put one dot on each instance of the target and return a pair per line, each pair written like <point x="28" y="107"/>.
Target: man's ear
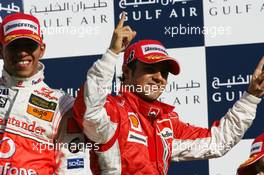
<point x="125" y="70"/>
<point x="42" y="49"/>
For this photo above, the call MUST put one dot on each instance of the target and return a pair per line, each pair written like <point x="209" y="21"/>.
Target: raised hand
<point x="122" y="36"/>
<point x="256" y="86"/>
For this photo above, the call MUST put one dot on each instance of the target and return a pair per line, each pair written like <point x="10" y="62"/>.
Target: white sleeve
<point x="222" y="136"/>
<point x="96" y="123"/>
<point x="73" y="152"/>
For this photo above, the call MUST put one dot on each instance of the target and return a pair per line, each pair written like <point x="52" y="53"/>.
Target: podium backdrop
<point x="217" y="43"/>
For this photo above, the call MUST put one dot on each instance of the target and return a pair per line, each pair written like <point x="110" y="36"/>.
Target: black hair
<point x="132" y="65"/>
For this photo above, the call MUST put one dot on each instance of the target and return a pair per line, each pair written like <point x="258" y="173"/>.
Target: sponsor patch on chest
<point x="134" y="122"/>
<point x="40" y="102"/>
<point x="137" y="138"/>
<point x="3" y="101"/>
<point x="75" y="163"/>
<point x="4" y="91"/>
<point x="165" y="129"/>
<point x="166" y="133"/>
<point x="47" y="93"/>
<point x="40" y="113"/>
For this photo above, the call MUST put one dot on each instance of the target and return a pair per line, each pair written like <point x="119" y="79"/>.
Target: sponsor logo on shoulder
<point x="75" y="163"/>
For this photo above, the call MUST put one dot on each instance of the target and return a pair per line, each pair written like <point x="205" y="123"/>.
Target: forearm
<point x="99" y="81"/>
<point x="89" y="107"/>
<point x="222" y="136"/>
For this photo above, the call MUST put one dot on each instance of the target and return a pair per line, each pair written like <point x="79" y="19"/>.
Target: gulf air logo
<point x="7" y="148"/>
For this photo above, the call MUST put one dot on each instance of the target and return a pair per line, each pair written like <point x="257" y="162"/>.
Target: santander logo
<point x="8" y="148"/>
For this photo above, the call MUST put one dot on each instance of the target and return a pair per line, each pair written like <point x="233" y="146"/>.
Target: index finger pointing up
<point x="259" y="68"/>
<point x="121" y="21"/>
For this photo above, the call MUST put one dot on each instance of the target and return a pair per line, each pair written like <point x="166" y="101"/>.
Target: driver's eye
<point x="26" y="45"/>
<point x="149" y="69"/>
<point x="259" y="166"/>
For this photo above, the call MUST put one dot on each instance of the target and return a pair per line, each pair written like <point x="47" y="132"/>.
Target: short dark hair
<point x="132" y="65"/>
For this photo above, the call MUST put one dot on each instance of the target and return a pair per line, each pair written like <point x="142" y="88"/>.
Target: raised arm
<point x="199" y="143"/>
<point x="89" y="108"/>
